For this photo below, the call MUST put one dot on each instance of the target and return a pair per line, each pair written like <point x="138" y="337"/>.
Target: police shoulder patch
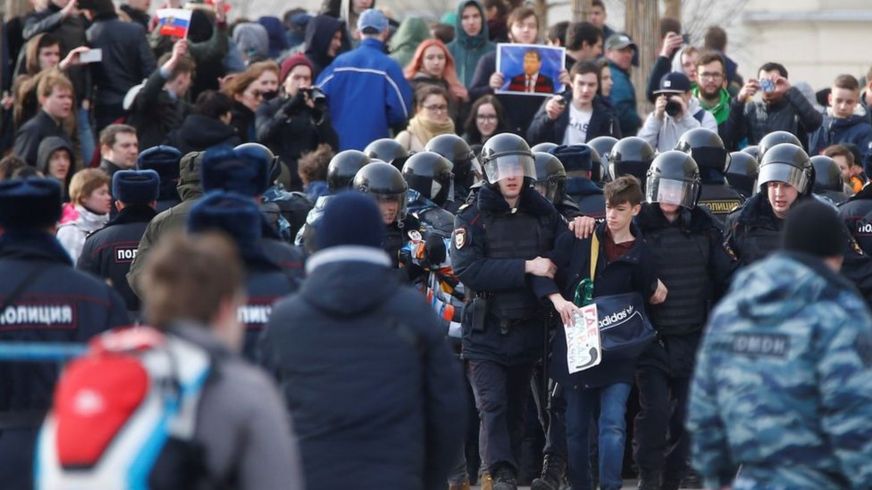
<point x="460" y="239"/>
<point x="856" y="247"/>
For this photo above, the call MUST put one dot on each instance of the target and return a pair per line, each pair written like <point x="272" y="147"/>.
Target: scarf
<point x="425" y="129"/>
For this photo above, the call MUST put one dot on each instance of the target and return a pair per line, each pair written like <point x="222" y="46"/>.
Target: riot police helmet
<point x="343" y="167"/>
<point x="706" y="148"/>
<point x="458" y="152"/>
<point x="603" y="146"/>
<point x="673" y="178"/>
<point x="742" y="173"/>
<point x="545" y="147"/>
<point x="550" y="176"/>
<point x="260" y="151"/>
<point x="787" y="163"/>
<point x="384" y="182"/>
<point x="775" y="138"/>
<point x="387" y="150"/>
<point x="507" y="155"/>
<point x="752" y="150"/>
<point x="631" y="156"/>
<point x="430" y="174"/>
<point x="827" y="176"/>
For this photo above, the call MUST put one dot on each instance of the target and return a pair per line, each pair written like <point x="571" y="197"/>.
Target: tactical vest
<point x="857" y="215"/>
<point x="753" y="242"/>
<point x="518" y="235"/>
<point x="720" y="200"/>
<point x="682" y="264"/>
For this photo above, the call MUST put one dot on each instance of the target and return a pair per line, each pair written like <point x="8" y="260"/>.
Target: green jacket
<point x="468" y="50"/>
<point x="412" y="32"/>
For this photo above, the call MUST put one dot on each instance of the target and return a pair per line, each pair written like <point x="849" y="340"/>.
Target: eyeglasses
<point x="711" y="76"/>
<point x="257" y="94"/>
<point x="436" y="108"/>
<point x="486" y="117"/>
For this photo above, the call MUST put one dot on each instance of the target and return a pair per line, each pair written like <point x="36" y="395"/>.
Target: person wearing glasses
<point x="248" y="93"/>
<point x="431" y="119"/>
<point x="711" y="89"/>
<point x="486" y="118"/>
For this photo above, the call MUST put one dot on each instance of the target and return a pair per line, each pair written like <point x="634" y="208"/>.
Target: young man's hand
<point x="582" y="226"/>
<point x="748" y="90"/>
<point x="565" y="308"/>
<point x="555" y="107"/>
<point x="540" y="266"/>
<point x="496" y="80"/>
<point x="660" y="294"/>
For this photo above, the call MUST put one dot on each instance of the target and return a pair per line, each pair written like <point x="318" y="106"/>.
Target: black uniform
<point x="57" y="304"/>
<point x="265" y="283"/>
<point x="694" y="265"/>
<point x="502" y="327"/>
<point x="719" y="198"/>
<point x="108" y="252"/>
<point x="589" y="197"/>
<point x="856" y="212"/>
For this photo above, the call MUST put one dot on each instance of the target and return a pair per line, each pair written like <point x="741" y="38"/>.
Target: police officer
<point x="785" y="369"/>
<point x="693" y="264"/>
<point x="828" y="179"/>
<point x="742" y="173"/>
<point x="856" y="212"/>
<point x="752" y="150"/>
<point x="387" y="150"/>
<point x="165" y="161"/>
<point x="579" y="162"/>
<point x="285" y="210"/>
<point x="544" y="147"/>
<point x="631" y="156"/>
<point x="708" y="151"/>
<point x="775" y="138"/>
<point x="43" y="300"/>
<point x="238" y="217"/>
<point x="551" y="183"/>
<point x="603" y="145"/>
<point x="108" y="252"/>
<point x="431" y="185"/>
<point x="466" y="169"/>
<point x="340" y="172"/>
<point x="384" y="182"/>
<point x="497" y="251"/>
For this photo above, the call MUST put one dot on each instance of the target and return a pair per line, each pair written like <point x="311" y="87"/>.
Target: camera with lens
<point x="673" y="108"/>
<point x="314" y="94"/>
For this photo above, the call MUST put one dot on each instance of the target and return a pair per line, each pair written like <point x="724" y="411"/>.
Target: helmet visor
<point x="392" y="206"/>
<point x="781" y="172"/>
<point x="668" y="191"/>
<point x="507" y="166"/>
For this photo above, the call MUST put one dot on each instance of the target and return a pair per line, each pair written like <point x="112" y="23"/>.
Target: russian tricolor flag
<point x="174" y="22"/>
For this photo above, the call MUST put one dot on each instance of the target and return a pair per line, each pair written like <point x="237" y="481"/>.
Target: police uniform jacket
<point x="695" y="267"/>
<point x="857" y="215"/>
<point x="785" y="374"/>
<point x="375" y="395"/>
<point x="108" y="252"/>
<point x="265" y="283"/>
<point x="60" y="305"/>
<point x="633" y="272"/>
<point x="720" y="199"/>
<point x="490" y="244"/>
<point x="589" y="196"/>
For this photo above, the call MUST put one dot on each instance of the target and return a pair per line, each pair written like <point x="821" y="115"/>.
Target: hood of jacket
<point x="278" y="42"/>
<point x="49" y="146"/>
<point x="347" y="281"/>
<point x="581" y="186"/>
<point x="319" y="33"/>
<point x="189" y="185"/>
<point x="782" y="286"/>
<point x="460" y="36"/>
<point x="204" y="132"/>
<point x="252" y="39"/>
<point x="411" y="33"/>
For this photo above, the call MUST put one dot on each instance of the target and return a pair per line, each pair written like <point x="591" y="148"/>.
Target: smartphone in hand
<point x="92" y="56"/>
<point x="767" y="85"/>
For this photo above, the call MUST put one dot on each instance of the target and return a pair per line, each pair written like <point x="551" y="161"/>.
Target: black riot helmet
<point x="505" y="155"/>
<point x="775" y="138"/>
<point x="550" y="177"/>
<point x="742" y="173"/>
<point x="673" y="178"/>
<point x="430" y="174"/>
<point x="458" y="152"/>
<point x="545" y="147"/>
<point x="384" y="182"/>
<point x="827" y="176"/>
<point x="706" y="148"/>
<point x="787" y="163"/>
<point x="752" y="150"/>
<point x="387" y="150"/>
<point x="603" y="146"/>
<point x="261" y="151"/>
<point x="343" y="167"/>
<point x="631" y="156"/>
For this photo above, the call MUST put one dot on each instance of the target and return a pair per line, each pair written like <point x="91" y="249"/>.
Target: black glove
<point x="294" y="104"/>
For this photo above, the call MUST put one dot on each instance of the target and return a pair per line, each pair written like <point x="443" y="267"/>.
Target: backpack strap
<point x="699" y="115"/>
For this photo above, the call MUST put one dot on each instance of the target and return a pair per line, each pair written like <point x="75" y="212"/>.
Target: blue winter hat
<point x="234" y="214"/>
<point x="30" y="203"/>
<point x="162" y="159"/>
<point x="574" y="157"/>
<point x="350" y="218"/>
<point x="135" y="186"/>
<point x="243" y="171"/>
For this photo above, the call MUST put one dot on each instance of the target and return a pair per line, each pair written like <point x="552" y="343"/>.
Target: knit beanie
<point x="292" y="61"/>
<point x="814" y="228"/>
<point x="350" y="218"/>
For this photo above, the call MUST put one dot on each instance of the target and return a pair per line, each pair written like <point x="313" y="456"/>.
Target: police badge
<point x="459" y="238"/>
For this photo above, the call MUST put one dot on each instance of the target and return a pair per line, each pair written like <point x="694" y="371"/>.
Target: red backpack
<point x="124" y="415"/>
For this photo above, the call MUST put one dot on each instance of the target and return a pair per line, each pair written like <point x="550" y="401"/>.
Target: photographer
<point x="676" y="111"/>
<point x="296" y="122"/>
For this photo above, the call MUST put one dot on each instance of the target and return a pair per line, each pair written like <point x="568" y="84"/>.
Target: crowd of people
<point x="332" y="251"/>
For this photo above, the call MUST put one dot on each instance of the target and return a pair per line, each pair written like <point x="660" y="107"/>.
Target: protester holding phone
<point x="781" y="108"/>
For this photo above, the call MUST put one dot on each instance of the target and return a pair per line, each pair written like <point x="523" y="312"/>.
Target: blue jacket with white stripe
<point x="367" y="94"/>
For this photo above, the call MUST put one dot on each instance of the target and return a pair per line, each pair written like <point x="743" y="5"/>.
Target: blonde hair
<point x="85" y="182"/>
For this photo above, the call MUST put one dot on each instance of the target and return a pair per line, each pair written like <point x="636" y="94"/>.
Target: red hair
<point x="449" y="74"/>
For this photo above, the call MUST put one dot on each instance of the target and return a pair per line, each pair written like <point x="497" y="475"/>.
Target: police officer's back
<point x="783" y="385"/>
<point x="108" y="252"/>
<point x="580" y="187"/>
<point x="828" y="179"/>
<point x="43" y="300"/>
<point x="631" y="156"/>
<point x="856" y="212"/>
<point x="742" y="173"/>
<point x="465" y="168"/>
<point x="165" y="161"/>
<point x="710" y="154"/>
<point x="431" y="186"/>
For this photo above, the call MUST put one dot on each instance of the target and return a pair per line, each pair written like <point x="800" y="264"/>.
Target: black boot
<point x="504" y="478"/>
<point x="553" y="469"/>
<point x="650" y="480"/>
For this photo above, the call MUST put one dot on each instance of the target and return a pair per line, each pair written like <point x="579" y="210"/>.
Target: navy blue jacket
<point x="633" y="272"/>
<point x="108" y="252"/>
<point x="589" y="196"/>
<point x="854" y="130"/>
<point x="374" y="392"/>
<point x="265" y="284"/>
<point x="544" y="129"/>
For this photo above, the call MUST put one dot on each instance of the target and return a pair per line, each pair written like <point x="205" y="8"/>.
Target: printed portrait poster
<point x="530" y="69"/>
